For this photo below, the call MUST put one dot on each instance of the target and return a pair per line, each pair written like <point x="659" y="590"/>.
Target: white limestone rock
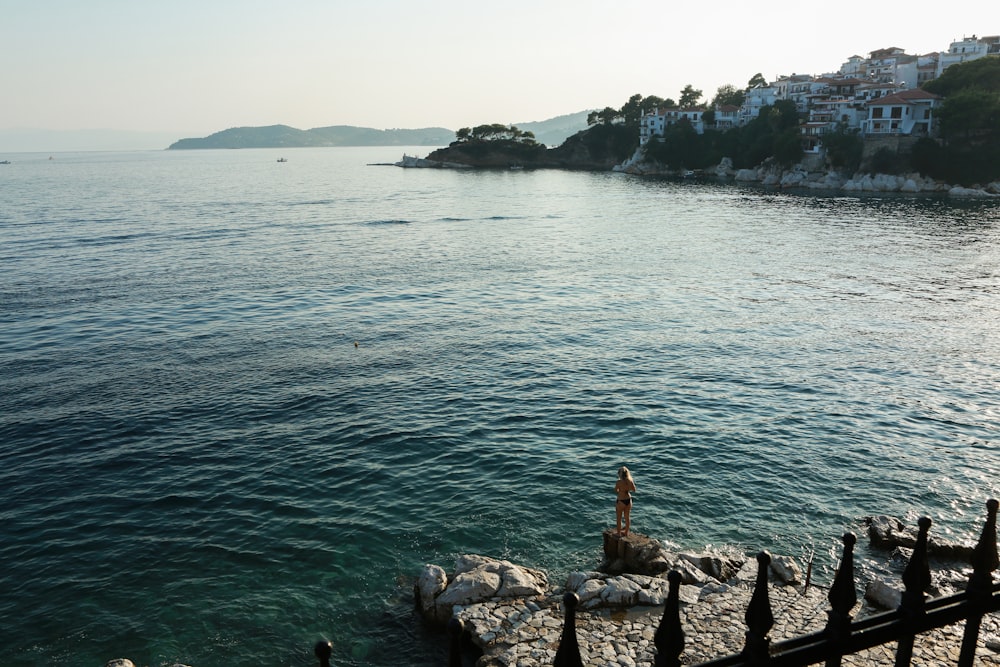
<point x="786" y="569"/>
<point x="747" y="175"/>
<point x="470" y="587"/>
<point x="519" y="582"/>
<point x="430" y="584"/>
<point x="120" y="662"/>
<point x="620" y="592"/>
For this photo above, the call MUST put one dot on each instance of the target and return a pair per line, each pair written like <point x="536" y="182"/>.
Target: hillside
<point x="551" y="132"/>
<point x="283" y="136"/>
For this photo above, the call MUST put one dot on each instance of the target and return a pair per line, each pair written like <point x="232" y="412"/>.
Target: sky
<point x="194" y="68"/>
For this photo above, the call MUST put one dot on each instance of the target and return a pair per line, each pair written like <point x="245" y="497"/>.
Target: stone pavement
<point x="517" y="633"/>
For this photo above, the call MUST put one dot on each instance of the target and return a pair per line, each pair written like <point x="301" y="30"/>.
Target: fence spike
<point x="669" y="637"/>
<point x="568" y="653"/>
<point x="842" y="597"/>
<point x="455" y="629"/>
<point x="323" y="651"/>
<point x="984" y="560"/>
<point x="759" y="618"/>
<point x="916" y="578"/>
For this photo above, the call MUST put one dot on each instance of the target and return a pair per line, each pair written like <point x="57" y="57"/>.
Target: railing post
<point x="455" y="629"/>
<point x="568" y="653"/>
<point x="916" y="578"/>
<point x="669" y="637"/>
<point x="984" y="561"/>
<point x="842" y="599"/>
<point x="759" y="618"/>
<point x="323" y="651"/>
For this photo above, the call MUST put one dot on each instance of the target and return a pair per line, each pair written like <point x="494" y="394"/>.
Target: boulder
<point x="120" y="662"/>
<point x="620" y="592"/>
<point x="883" y="594"/>
<point x="747" y="175"/>
<point x="786" y="569"/>
<point x="430" y="584"/>
<point x="717" y="566"/>
<point x="635" y="553"/>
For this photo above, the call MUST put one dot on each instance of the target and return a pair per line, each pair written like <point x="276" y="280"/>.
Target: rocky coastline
<point x="811" y="173"/>
<point x="513" y="615"/>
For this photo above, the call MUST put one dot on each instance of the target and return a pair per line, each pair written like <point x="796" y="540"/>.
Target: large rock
<point x="883" y="594"/>
<point x="476" y="579"/>
<point x="787" y="570"/>
<point x="635" y="553"/>
<point x="717" y="566"/>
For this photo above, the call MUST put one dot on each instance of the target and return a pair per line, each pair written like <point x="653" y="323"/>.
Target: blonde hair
<point x="623" y="473"/>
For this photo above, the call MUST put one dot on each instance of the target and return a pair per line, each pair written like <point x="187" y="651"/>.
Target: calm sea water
<point x="244" y="402"/>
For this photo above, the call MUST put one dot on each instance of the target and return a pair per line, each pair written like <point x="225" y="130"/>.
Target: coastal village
<point x="878" y="96"/>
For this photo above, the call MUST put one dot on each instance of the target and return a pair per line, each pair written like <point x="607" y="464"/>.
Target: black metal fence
<point x="841" y="636"/>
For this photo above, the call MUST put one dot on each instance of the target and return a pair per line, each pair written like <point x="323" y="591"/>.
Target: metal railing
<point x="842" y="635"/>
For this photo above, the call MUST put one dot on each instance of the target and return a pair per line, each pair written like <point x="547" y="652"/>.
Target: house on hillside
<point x="907" y="112"/>
<point x="655" y="123"/>
<point x="966" y="49"/>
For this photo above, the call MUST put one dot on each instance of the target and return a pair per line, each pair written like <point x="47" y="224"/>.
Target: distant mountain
<point x="550" y="132"/>
<point x="283" y="136"/>
<point x="554" y="131"/>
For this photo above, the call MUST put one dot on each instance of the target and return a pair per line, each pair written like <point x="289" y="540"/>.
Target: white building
<point x="968" y="48"/>
<point x="655" y="123"/>
<point x="908" y="112"/>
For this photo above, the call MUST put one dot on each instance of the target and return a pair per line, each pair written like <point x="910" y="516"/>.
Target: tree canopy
<point x="495" y="132"/>
<point x="690" y="97"/>
<point x="728" y="94"/>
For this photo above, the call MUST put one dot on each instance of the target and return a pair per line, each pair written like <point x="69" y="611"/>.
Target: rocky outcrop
<point x="476" y="579"/>
<point x="887" y="532"/>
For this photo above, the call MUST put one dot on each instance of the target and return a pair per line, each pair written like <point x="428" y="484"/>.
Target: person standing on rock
<point x="623" y="505"/>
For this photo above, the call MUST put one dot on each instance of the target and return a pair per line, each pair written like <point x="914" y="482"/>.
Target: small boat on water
<point x="4" y="161"/>
<point x="281" y="159"/>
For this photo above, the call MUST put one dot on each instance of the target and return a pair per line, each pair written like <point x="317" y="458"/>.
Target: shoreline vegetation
<point x="960" y="158"/>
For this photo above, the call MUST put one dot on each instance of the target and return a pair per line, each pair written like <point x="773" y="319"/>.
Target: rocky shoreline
<point x="812" y="175"/>
<point x="514" y="617"/>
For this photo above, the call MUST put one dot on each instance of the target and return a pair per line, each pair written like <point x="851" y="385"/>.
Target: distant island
<point x="552" y="132"/>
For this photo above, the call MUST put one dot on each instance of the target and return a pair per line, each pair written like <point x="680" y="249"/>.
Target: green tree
<point x="970" y="114"/>
<point x="980" y="73"/>
<point x="757" y="81"/>
<point x="606" y="116"/>
<point x="843" y="148"/>
<point x="728" y="94"/>
<point x="690" y="97"/>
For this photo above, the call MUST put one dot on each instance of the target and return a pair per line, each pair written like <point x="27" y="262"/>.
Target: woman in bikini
<point x="623" y="505"/>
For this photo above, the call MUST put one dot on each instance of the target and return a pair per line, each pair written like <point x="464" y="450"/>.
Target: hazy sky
<point x="198" y="67"/>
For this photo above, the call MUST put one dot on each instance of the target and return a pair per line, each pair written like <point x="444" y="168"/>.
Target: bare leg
<point x="628" y="519"/>
<point x="618" y="518"/>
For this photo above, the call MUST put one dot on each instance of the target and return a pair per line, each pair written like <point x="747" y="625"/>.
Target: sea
<point x="243" y="402"/>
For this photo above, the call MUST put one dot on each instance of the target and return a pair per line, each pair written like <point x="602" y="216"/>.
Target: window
<point x="897" y="112"/>
<point x="877" y="112"/>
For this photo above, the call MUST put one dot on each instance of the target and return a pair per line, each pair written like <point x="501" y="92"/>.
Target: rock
<point x="882" y="530"/>
<point x="690" y="573"/>
<point x="120" y="662"/>
<point x="469" y="562"/>
<point x="718" y="567"/>
<point x="621" y="592"/>
<point x="688" y="594"/>
<point x="470" y="587"/>
<point x="520" y="582"/>
<point x="747" y="175"/>
<point x="430" y="584"/>
<point x="883" y="594"/>
<point x="590" y="589"/>
<point x="786" y="569"/>
<point x="636" y="553"/>
<point x="959" y="191"/>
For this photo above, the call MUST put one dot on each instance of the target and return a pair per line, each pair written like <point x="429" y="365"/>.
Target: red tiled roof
<point x="904" y="97"/>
